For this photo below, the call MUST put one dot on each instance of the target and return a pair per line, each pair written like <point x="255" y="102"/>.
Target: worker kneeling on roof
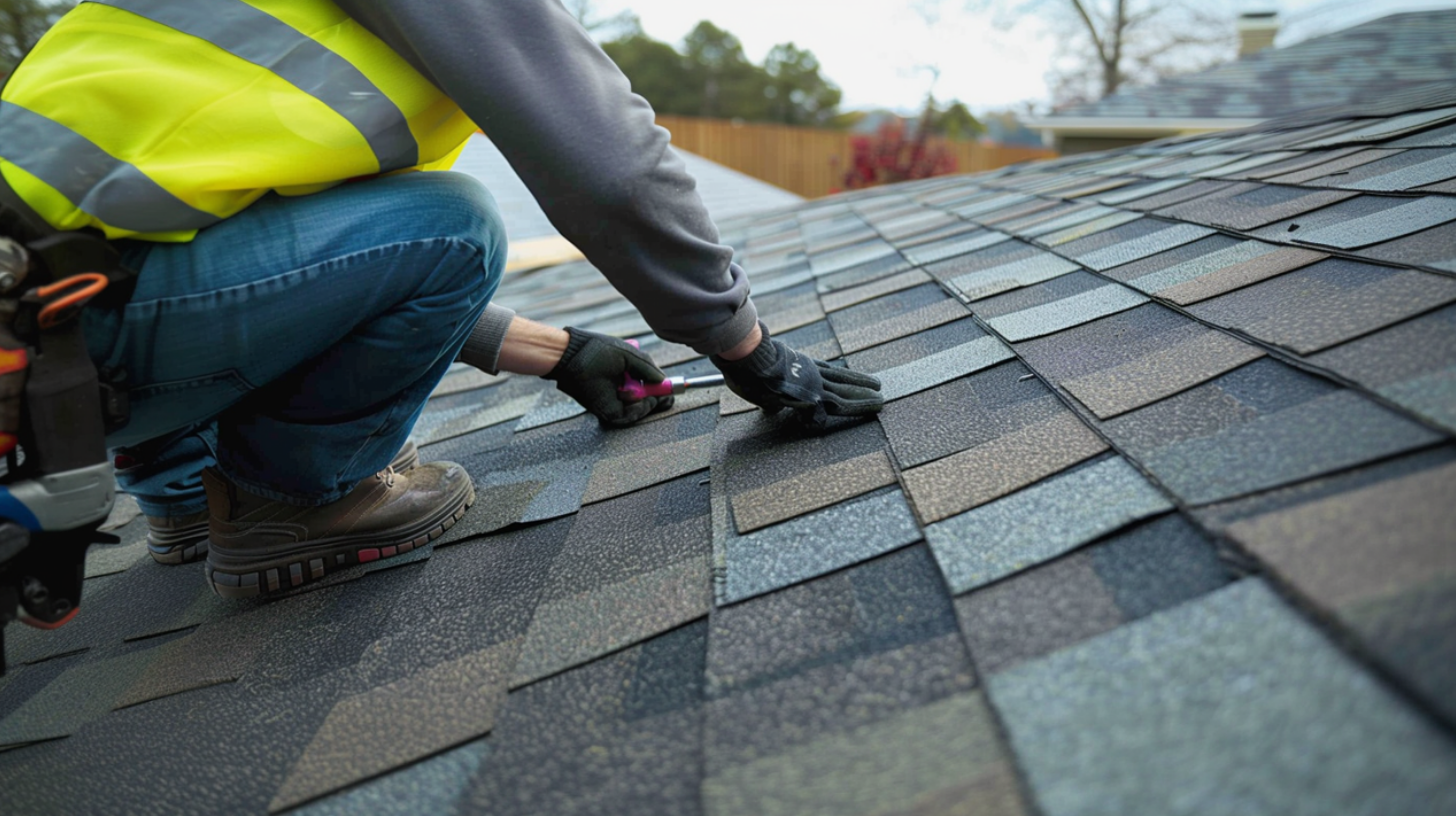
<point x="301" y="291"/>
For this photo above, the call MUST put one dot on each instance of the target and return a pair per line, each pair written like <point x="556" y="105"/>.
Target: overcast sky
<point x="876" y="50"/>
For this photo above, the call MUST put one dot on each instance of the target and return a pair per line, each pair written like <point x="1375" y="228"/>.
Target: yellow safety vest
<point x="156" y="118"/>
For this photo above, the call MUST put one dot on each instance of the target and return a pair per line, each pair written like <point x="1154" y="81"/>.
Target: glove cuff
<point x="578" y="340"/>
<point x="762" y="361"/>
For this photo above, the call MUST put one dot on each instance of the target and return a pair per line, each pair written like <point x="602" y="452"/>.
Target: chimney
<point x="1256" y="31"/>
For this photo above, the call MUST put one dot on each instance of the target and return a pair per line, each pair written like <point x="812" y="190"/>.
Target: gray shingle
<point x="1066" y="313"/>
<point x="842" y="298"/>
<point x="1084" y="229"/>
<point x="1151" y="567"/>
<point x="925" y="317"/>
<point x="1394" y="222"/>
<point x="1103" y="726"/>
<point x="1386" y="128"/>
<point x="1026" y="272"/>
<point x="1412" y="364"/>
<point x="1154" y="376"/>
<point x="619" y="735"/>
<point x="914" y="347"/>
<point x="817" y="489"/>
<point x="1041" y="522"/>
<point x="965" y="413"/>
<point x="951" y="247"/>
<point x="434" y="785"/>
<point x="631" y="568"/>
<point x="910" y="378"/>
<point x="814" y="544"/>
<point x="1331" y="163"/>
<point x="1250" y="449"/>
<point x="1250" y="206"/>
<point x="1238" y="275"/>
<point x="1363" y="555"/>
<point x="1000" y="465"/>
<point x="1327" y="303"/>
<point x="1138" y="248"/>
<point x="1436" y="168"/>
<point x="1125" y="195"/>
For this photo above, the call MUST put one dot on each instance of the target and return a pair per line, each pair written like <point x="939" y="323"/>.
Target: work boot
<point x="183" y="539"/>
<point x="257" y="545"/>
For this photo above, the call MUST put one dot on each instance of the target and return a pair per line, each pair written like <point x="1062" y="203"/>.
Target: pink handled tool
<point x="634" y="390"/>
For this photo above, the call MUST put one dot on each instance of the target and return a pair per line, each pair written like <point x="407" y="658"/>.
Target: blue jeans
<point x="293" y="345"/>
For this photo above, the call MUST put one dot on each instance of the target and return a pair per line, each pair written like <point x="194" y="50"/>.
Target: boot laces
<point x="387" y="476"/>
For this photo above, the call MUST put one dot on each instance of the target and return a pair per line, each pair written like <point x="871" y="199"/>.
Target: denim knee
<point x="463" y="210"/>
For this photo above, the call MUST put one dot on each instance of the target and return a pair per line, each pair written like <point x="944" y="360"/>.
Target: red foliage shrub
<point x="891" y="155"/>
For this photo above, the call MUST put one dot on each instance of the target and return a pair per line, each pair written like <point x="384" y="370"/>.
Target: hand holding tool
<point x="594" y="366"/>
<point x="634" y="390"/>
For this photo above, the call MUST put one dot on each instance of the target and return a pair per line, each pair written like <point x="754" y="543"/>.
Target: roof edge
<point x="1142" y="125"/>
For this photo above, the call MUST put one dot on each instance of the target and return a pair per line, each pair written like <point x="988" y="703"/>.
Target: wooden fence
<point x="809" y="161"/>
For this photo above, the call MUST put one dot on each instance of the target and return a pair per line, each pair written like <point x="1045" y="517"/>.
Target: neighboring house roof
<point x="1357" y="65"/>
<point x="1157" y="519"/>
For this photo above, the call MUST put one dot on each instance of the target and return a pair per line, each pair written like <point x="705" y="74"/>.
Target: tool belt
<point x="46" y="276"/>
<point x="57" y="486"/>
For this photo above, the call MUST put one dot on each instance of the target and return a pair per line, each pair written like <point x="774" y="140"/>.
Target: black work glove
<point x="591" y="370"/>
<point x="775" y="377"/>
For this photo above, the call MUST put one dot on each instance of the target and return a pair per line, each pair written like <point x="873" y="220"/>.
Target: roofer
<point x="287" y="327"/>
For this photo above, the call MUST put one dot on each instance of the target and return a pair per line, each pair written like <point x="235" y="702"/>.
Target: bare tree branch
<point x="1091" y="28"/>
<point x="1106" y="44"/>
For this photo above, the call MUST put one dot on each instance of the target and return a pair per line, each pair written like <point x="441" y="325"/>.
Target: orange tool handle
<point x="91" y="283"/>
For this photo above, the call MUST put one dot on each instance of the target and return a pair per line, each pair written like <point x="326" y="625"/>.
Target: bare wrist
<point x="532" y="348"/>
<point x="746" y="347"/>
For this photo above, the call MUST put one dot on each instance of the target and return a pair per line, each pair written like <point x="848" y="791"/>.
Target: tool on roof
<point x="633" y="390"/>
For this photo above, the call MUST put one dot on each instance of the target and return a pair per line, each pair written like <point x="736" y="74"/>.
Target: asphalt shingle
<point x="1278" y="425"/>
<point x="1104" y="724"/>
<point x="1393" y="222"/>
<point x="1423" y="382"/>
<point x="631" y="568"/>
<point x="1026" y="528"/>
<point x="619" y="735"/>
<point x="869" y="656"/>
<point x="1327" y="303"/>
<point x="1151" y="567"/>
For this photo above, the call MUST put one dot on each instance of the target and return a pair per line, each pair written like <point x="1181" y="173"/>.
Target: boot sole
<point x="181" y="546"/>
<point x="243" y="579"/>
<point x="189" y="544"/>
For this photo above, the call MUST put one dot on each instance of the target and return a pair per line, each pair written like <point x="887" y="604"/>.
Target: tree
<point x="730" y="84"/>
<point x="619" y="25"/>
<point x="957" y="122"/>
<point x="1104" y="44"/>
<point x="22" y="22"/>
<point x="656" y="70"/>
<point x="711" y="76"/>
<point x="797" y="94"/>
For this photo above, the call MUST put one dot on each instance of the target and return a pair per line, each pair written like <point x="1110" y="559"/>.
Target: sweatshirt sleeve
<point x="588" y="148"/>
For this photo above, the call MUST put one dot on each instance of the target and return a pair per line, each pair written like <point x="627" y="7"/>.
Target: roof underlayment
<point x="1158" y="519"/>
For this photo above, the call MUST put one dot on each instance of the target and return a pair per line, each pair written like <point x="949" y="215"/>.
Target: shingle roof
<point x="1158" y="520"/>
<point x="1358" y="65"/>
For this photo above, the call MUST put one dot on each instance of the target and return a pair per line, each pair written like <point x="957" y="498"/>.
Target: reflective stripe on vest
<point x="95" y="181"/>
<point x="257" y="37"/>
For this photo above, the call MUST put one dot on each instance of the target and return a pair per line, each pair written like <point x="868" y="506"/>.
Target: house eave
<point x="1136" y="126"/>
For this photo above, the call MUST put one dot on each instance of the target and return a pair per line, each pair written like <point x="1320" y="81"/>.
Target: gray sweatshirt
<point x="566" y="119"/>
